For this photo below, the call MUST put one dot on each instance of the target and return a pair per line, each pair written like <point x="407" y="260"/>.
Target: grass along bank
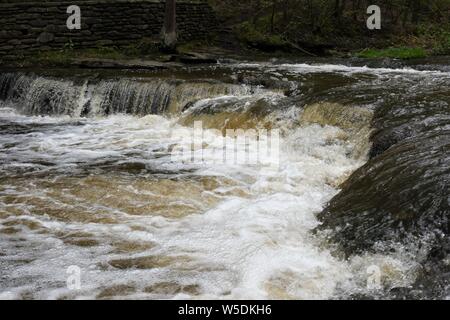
<point x="394" y="53"/>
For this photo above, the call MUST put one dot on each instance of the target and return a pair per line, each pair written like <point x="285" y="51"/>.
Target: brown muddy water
<point x="89" y="178"/>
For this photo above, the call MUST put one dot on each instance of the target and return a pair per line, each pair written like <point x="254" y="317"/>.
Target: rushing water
<point x="89" y="179"/>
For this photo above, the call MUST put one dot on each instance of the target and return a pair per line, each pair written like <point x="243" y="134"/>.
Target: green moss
<point x="100" y="52"/>
<point x="396" y="53"/>
<point x="192" y="46"/>
<point x="143" y="47"/>
<point x="65" y="56"/>
<point x="51" y="57"/>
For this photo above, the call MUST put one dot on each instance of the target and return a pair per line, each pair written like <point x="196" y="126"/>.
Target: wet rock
<point x="93" y="63"/>
<point x="232" y="114"/>
<point x="148" y="262"/>
<point x="114" y="291"/>
<point x="400" y="193"/>
<point x="384" y="63"/>
<point x="401" y="196"/>
<point x="193" y="58"/>
<point x="270" y="82"/>
<point x="396" y="123"/>
<point x="172" y="288"/>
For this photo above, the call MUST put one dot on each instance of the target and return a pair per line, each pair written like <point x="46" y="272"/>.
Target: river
<point x="92" y="177"/>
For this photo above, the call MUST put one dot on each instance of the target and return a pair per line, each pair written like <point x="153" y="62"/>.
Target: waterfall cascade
<point x="103" y="173"/>
<point x="45" y="95"/>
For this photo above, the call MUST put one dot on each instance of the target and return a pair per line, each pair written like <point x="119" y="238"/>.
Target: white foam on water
<point x="336" y="68"/>
<point x="254" y="245"/>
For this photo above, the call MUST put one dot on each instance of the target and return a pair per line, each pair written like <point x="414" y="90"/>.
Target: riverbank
<point x="243" y="42"/>
<point x="148" y="57"/>
<point x="431" y="41"/>
<point x="337" y="27"/>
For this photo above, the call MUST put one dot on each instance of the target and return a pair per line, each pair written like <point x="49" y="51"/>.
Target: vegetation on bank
<point x="429" y="40"/>
<point x="145" y="48"/>
<point x="395" y="53"/>
<point x="248" y="34"/>
<point x="67" y="55"/>
<point x="410" y="29"/>
<point x="340" y="25"/>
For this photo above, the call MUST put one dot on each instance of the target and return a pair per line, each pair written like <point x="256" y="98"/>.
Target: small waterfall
<point x="191" y="92"/>
<point x="259" y="111"/>
<point x="7" y="81"/>
<point x="46" y="95"/>
<point x="39" y="95"/>
<point x="354" y="121"/>
<point x="160" y="96"/>
<point x="132" y="97"/>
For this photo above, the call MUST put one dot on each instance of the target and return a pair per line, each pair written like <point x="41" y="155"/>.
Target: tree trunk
<point x="170" y="26"/>
<point x="337" y="10"/>
<point x="272" y="17"/>
<point x="416" y="9"/>
<point x="286" y="12"/>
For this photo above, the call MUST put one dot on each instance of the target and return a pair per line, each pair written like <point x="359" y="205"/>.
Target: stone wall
<point x="27" y="27"/>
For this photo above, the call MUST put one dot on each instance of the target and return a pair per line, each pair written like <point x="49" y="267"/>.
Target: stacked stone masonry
<point x="27" y="27"/>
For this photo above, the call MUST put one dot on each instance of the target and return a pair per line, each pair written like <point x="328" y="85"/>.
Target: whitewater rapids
<point x="104" y="193"/>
